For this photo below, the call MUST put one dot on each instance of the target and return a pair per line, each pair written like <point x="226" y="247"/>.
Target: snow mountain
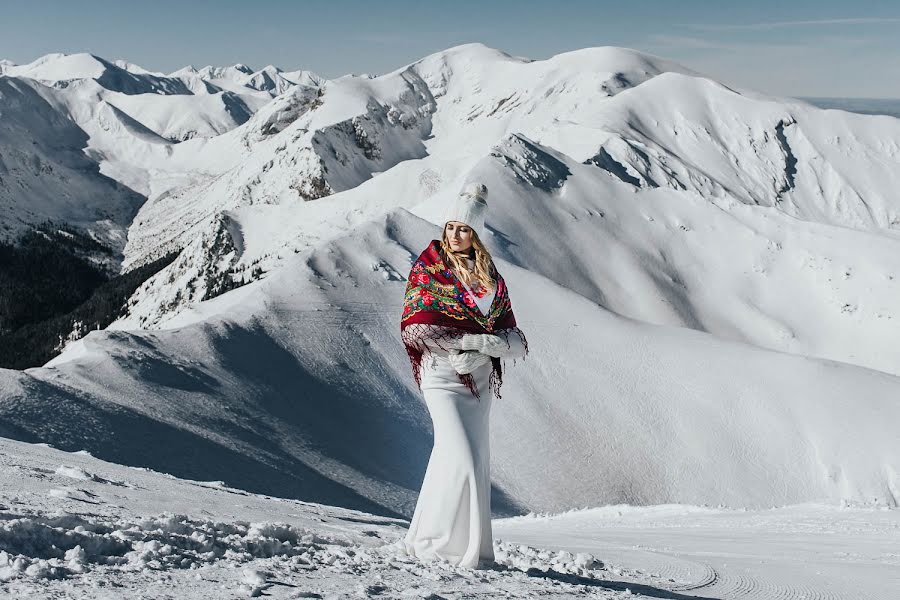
<point x="597" y="141"/>
<point x="58" y="70"/>
<point x="45" y="175"/>
<point x="707" y="277"/>
<point x="122" y="123"/>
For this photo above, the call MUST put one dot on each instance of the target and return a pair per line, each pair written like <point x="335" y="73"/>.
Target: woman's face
<point x="459" y="236"/>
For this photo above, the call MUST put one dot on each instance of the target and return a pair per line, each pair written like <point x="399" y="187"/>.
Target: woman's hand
<point x="485" y="343"/>
<point x="466" y="362"/>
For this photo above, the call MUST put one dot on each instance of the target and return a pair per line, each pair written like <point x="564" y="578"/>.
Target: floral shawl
<point x="438" y="310"/>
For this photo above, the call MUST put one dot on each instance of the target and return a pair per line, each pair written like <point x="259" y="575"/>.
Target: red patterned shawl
<point x="437" y="308"/>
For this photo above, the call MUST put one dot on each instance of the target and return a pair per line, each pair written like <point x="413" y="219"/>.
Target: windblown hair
<point x="484" y="264"/>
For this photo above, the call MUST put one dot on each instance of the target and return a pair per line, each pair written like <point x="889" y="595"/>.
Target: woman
<point x="457" y="324"/>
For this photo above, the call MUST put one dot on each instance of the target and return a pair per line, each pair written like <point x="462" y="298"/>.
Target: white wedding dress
<point x="452" y="518"/>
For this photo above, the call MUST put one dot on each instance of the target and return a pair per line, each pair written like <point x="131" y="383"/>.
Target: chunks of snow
<point x="50" y="547"/>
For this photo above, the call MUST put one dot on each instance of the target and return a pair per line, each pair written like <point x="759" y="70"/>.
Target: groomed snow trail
<point x="796" y="552"/>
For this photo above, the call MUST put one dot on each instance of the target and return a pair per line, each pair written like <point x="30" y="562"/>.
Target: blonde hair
<point x="484" y="264"/>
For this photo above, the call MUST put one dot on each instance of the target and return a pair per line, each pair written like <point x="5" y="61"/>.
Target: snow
<point x="799" y="551"/>
<point x="57" y="66"/>
<point x="718" y="150"/>
<point x="721" y="270"/>
<point x="45" y="174"/>
<point x="176" y="120"/>
<point x="303" y="149"/>
<point x="119" y="531"/>
<point x="104" y="535"/>
<point x="127" y="120"/>
<point x="133" y="68"/>
<point x="308" y="361"/>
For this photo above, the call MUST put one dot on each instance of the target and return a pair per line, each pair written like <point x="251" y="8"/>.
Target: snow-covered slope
<point x="304" y="390"/>
<point x="670" y="257"/>
<point x="306" y="144"/>
<point x="302" y="148"/>
<point x="175" y="119"/>
<point x="581" y="134"/>
<point x="45" y="174"/>
<point x="824" y="166"/>
<point x="739" y="271"/>
<point x="128" y="121"/>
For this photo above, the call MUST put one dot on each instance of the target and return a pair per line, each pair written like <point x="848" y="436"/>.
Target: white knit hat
<point x="469" y="207"/>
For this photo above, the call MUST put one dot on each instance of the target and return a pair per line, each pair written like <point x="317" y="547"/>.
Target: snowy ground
<point x="800" y="551"/>
<point x="75" y="526"/>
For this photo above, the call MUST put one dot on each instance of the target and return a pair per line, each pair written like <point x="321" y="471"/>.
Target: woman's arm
<point x="433" y="338"/>
<point x="503" y="343"/>
<point x="517" y="345"/>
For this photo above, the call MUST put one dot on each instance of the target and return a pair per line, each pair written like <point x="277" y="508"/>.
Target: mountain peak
<point x="58" y="66"/>
<point x="188" y="70"/>
<point x="136" y="69"/>
<point x="616" y="58"/>
<point x="476" y="51"/>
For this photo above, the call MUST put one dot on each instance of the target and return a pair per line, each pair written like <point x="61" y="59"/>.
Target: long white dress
<point x="452" y="518"/>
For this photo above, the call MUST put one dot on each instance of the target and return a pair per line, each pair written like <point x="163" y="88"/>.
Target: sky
<point x="824" y="48"/>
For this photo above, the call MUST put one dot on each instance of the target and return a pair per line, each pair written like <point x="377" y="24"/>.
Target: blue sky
<point x="797" y="48"/>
